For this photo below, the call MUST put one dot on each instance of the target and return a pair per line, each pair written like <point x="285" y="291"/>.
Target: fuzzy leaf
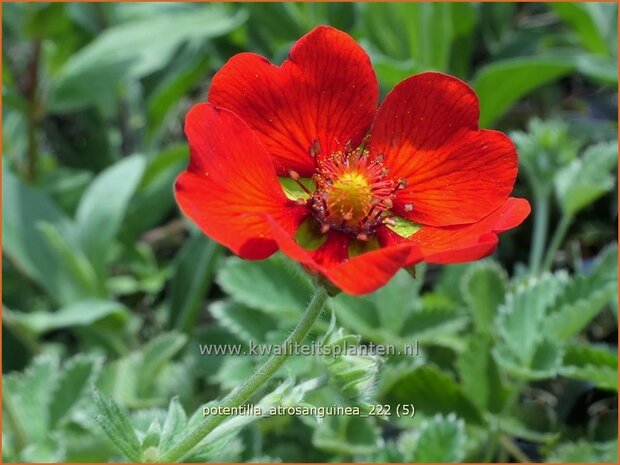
<point x="587" y="178"/>
<point x="116" y="424"/>
<point x="484" y="287"/>
<point x="275" y="285"/>
<point x="440" y="439"/>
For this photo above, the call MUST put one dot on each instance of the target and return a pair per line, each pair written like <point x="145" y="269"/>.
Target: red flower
<point x="367" y="191"/>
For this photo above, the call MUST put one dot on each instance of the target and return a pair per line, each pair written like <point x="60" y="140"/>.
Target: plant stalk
<point x="241" y="394"/>
<point x="556" y="241"/>
<point x="541" y="224"/>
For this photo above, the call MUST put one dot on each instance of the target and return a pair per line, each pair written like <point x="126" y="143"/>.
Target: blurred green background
<point x="105" y="284"/>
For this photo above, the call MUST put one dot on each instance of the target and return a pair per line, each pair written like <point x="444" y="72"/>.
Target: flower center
<point x="353" y="192"/>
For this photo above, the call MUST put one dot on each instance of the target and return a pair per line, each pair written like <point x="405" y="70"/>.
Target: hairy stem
<point x="241" y="394"/>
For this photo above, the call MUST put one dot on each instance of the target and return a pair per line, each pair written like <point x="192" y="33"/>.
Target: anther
<point x="389" y="221"/>
<point x="315" y="148"/>
<point x="402" y="183"/>
<point x="294" y="175"/>
<point x="362" y="237"/>
<point x="380" y="157"/>
<point x="324" y="228"/>
<point x="408" y="207"/>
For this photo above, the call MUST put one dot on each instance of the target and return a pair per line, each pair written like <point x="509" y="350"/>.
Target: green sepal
<point x="293" y="190"/>
<point x="357" y="247"/>
<point x="309" y="234"/>
<point x="404" y="228"/>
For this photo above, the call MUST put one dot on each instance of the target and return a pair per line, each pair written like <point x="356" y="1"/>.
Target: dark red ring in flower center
<point x="353" y="191"/>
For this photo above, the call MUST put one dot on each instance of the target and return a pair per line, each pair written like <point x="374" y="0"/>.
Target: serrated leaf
<point x="432" y="391"/>
<point x="244" y="322"/>
<point x="438" y="440"/>
<point x="275" y="285"/>
<point x="479" y="374"/>
<point x="398" y="298"/>
<point x="221" y="438"/>
<point x="353" y="374"/>
<point x="544" y="363"/>
<point x="587" y="178"/>
<point x="594" y="364"/>
<point x="585" y="452"/>
<point x="116" y="424"/>
<point x="571" y="319"/>
<point x="155" y="355"/>
<point x="484" y="287"/>
<point x="176" y="421"/>
<point x="27" y="399"/>
<point x="522" y="315"/>
<point x="77" y="373"/>
<point x="349" y="435"/>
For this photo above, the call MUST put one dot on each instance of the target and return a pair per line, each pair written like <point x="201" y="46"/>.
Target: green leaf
<point x="77" y="373"/>
<point x="176" y="421"/>
<point x="93" y="74"/>
<point x="432" y="392"/>
<point x="348" y="435"/>
<point x="23" y="242"/>
<point x="544" y="363"/>
<point x="587" y="178"/>
<point x="484" y="286"/>
<point x="73" y="263"/>
<point x="116" y="424"/>
<point x="246" y="323"/>
<point x="404" y="227"/>
<point x="480" y="375"/>
<point x="590" y="21"/>
<point x="102" y="208"/>
<point x="594" y="364"/>
<point x="396" y="300"/>
<point x="501" y="84"/>
<point x="156" y="354"/>
<point x="571" y="319"/>
<point x="523" y="313"/>
<point x="193" y="275"/>
<point x="275" y="285"/>
<point x="426" y="37"/>
<point x="585" y="452"/>
<point x="27" y="398"/>
<point x="83" y="313"/>
<point x="353" y="375"/>
<point x="154" y="198"/>
<point x="440" y="439"/>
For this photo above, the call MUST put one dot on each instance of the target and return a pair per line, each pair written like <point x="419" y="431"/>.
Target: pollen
<point x="354" y="194"/>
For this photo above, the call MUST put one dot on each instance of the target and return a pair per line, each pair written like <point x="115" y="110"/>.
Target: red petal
<point x="359" y="275"/>
<point x="230" y="183"/>
<point x="456" y="244"/>
<point x="325" y="91"/>
<point x="427" y="128"/>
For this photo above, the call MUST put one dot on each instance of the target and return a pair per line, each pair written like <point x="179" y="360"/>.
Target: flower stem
<point x="242" y="393"/>
<point x="541" y="221"/>
<point x="556" y="241"/>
